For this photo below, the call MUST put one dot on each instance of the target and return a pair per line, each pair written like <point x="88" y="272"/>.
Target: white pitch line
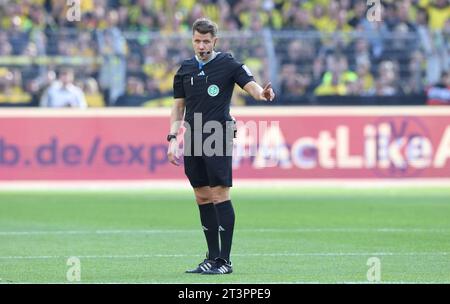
<point x="356" y="282"/>
<point x="69" y="232"/>
<point x="234" y="283"/>
<point x="261" y="230"/>
<point x="146" y="256"/>
<point x="182" y="185"/>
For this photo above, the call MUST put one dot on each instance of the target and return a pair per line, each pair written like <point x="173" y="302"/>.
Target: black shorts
<point x="209" y="170"/>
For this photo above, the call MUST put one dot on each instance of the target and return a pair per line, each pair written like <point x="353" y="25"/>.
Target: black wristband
<point x="170" y="137"/>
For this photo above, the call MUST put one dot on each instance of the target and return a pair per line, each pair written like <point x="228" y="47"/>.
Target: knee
<point x="203" y="198"/>
<point x="220" y="197"/>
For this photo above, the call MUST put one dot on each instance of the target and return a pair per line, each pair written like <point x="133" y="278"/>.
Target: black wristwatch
<point x="170" y="137"/>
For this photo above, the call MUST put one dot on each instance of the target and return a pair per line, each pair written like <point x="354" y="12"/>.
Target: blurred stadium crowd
<point x="125" y="52"/>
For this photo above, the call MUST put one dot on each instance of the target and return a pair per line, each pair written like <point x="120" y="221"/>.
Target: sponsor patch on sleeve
<point x="247" y="70"/>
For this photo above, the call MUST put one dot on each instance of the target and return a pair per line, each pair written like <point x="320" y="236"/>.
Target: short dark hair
<point x="204" y="26"/>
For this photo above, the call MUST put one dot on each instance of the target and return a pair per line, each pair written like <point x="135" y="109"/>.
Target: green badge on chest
<point x="213" y="90"/>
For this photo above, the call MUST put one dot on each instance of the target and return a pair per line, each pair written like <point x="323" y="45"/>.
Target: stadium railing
<point x="143" y="64"/>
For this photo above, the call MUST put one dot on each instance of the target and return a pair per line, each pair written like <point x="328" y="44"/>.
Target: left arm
<point x="258" y="92"/>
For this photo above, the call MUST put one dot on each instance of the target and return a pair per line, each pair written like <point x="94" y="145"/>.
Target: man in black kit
<point x="203" y="87"/>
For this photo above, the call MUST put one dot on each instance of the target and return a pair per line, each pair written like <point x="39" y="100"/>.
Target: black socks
<point x="218" y="220"/>
<point x="225" y="215"/>
<point x="210" y="227"/>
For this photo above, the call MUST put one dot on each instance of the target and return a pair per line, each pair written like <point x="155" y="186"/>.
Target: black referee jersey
<point x="207" y="88"/>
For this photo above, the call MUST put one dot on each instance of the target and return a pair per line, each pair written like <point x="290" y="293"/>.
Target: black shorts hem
<point x="221" y="184"/>
<point x="198" y="185"/>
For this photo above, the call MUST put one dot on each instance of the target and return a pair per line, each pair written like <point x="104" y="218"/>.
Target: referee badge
<point x="213" y="90"/>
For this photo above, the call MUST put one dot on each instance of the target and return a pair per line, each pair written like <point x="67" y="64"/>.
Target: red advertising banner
<point x="272" y="143"/>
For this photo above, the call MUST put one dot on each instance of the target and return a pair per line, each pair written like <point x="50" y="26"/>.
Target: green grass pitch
<point x="281" y="236"/>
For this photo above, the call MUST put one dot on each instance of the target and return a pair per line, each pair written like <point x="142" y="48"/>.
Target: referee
<point x="203" y="87"/>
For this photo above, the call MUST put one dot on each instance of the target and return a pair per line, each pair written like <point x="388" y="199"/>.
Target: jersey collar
<point x="202" y="63"/>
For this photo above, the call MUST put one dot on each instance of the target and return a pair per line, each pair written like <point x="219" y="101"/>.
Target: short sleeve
<point x="178" y="89"/>
<point x="242" y="75"/>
